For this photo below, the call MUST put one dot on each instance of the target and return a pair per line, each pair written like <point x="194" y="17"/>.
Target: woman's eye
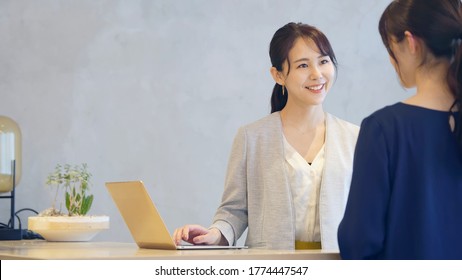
<point x="325" y="61"/>
<point x="303" y="65"/>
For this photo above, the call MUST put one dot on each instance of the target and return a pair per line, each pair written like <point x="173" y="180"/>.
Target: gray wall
<point x="155" y="90"/>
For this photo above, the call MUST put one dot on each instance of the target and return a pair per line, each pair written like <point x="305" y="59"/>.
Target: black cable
<point x="26" y="209"/>
<point x="26" y="234"/>
<point x="19" y="211"/>
<point x="17" y="217"/>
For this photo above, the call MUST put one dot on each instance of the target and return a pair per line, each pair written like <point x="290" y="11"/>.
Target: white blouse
<point x="305" y="183"/>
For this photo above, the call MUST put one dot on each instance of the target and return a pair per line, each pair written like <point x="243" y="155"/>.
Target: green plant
<point x="75" y="182"/>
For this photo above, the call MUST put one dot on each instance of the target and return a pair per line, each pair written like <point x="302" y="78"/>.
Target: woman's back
<point x="406" y="192"/>
<point x="410" y="180"/>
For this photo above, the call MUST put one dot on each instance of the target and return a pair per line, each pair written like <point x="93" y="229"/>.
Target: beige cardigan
<point x="257" y="193"/>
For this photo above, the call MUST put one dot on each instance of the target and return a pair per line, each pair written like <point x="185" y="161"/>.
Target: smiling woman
<point x="311" y="77"/>
<point x="288" y="173"/>
<point x="307" y="75"/>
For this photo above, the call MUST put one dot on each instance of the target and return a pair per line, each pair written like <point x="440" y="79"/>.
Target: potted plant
<point x="75" y="225"/>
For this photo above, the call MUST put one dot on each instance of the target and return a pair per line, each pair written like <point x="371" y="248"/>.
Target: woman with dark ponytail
<point x="405" y="199"/>
<point x="288" y="173"/>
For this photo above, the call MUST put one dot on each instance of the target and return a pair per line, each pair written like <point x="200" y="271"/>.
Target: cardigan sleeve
<point x="361" y="233"/>
<point x="231" y="217"/>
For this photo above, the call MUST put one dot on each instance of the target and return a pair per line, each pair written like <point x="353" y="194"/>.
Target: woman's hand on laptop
<point x="196" y="234"/>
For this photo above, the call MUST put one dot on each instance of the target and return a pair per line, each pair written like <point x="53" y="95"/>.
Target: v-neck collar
<point x="295" y="158"/>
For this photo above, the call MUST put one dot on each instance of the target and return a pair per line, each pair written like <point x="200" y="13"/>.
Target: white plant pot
<point x="68" y="228"/>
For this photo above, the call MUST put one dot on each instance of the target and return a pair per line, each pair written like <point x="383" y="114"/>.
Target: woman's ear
<point x="411" y="42"/>
<point x="277" y="76"/>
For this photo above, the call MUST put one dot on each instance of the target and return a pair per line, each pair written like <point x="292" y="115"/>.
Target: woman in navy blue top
<point x="405" y="200"/>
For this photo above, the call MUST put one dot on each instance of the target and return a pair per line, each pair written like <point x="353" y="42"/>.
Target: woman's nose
<point x="315" y="73"/>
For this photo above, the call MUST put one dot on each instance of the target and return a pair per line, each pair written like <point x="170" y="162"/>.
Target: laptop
<point x="144" y="221"/>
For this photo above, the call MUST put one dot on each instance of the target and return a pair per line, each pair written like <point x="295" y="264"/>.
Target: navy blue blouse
<point x="405" y="200"/>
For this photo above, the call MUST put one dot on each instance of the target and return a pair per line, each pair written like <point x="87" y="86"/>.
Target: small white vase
<point x="68" y="228"/>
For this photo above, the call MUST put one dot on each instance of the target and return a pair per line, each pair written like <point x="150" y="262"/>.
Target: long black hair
<point x="280" y="46"/>
<point x="439" y="24"/>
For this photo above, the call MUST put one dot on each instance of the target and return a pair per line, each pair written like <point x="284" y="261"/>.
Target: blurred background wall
<point x="155" y="90"/>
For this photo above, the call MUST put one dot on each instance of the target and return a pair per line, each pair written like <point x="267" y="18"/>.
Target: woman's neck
<point x="433" y="91"/>
<point x="303" y="119"/>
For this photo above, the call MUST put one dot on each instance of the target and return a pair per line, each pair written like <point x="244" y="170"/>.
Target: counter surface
<point x="40" y="249"/>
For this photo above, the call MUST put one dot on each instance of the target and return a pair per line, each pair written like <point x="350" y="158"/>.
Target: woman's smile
<point x="316" y="88"/>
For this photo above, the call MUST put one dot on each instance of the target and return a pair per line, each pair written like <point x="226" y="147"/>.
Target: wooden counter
<point x="39" y="249"/>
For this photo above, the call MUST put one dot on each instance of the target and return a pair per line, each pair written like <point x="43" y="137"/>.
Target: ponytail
<point x="455" y="84"/>
<point x="278" y="99"/>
